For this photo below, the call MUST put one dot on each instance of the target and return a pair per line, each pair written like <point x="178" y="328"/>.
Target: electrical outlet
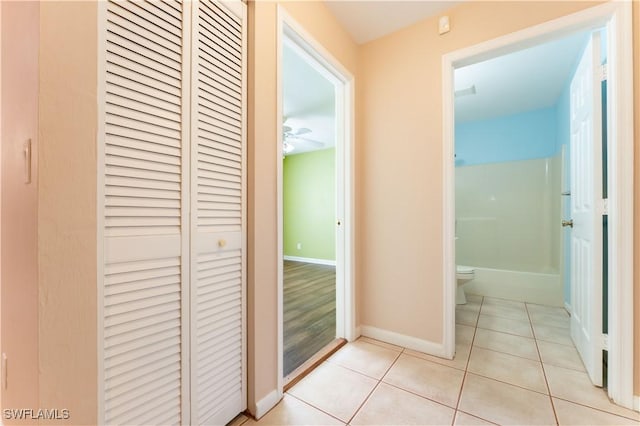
<point x="299" y="246"/>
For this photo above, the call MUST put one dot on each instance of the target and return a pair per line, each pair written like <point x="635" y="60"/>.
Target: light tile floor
<point x="514" y="365"/>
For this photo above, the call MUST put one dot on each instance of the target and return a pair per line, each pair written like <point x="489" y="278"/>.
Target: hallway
<point x="515" y="364"/>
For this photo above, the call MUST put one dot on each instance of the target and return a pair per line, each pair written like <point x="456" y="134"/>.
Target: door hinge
<point x="603" y="72"/>
<point x="605" y="342"/>
<point x="605" y="206"/>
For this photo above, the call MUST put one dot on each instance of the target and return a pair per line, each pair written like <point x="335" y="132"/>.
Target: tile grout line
<point x="596" y="409"/>
<point x="315" y="408"/>
<point x="418" y="395"/>
<point x="544" y="371"/>
<point x="466" y="366"/>
<point x="374" y="388"/>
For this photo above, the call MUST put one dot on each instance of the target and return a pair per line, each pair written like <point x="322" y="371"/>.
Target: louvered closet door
<point x="146" y="177"/>
<point x="218" y="391"/>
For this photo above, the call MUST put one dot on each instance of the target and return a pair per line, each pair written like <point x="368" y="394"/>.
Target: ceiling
<point x="367" y="20"/>
<point x="521" y="81"/>
<point x="308" y="102"/>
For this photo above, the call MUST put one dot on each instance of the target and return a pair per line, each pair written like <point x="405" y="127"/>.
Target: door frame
<point x="292" y="33"/>
<point x="617" y="17"/>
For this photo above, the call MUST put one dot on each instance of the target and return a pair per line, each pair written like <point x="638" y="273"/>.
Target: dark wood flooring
<point x="309" y="311"/>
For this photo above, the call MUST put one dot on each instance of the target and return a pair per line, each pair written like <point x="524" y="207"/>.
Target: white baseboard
<point x="310" y="260"/>
<point x="266" y="404"/>
<point x="409" y="342"/>
<point x="358" y="333"/>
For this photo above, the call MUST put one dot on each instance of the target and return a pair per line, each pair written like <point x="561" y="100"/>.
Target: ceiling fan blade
<point x="311" y="141"/>
<point x="301" y="131"/>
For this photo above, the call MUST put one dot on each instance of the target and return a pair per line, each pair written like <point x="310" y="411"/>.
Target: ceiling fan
<point x="291" y="137"/>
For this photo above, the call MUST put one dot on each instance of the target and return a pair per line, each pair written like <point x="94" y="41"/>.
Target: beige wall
<point x="262" y="161"/>
<point x="67" y="209"/>
<point x="19" y="200"/>
<point x="400" y="259"/>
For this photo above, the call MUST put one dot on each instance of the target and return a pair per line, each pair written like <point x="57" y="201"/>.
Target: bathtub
<point x="532" y="287"/>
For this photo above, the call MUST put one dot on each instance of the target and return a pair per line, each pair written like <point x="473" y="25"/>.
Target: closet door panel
<point x="145" y="222"/>
<point x="218" y="389"/>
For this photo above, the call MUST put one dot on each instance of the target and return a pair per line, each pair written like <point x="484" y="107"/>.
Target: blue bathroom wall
<point x="523" y="136"/>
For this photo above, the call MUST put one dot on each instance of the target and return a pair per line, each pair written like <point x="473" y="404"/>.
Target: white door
<point x="145" y="261"/>
<point x="586" y="210"/>
<point x="218" y="386"/>
<point x="174" y="349"/>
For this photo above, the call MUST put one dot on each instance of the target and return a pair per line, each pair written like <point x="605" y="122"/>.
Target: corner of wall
<point x="409" y="342"/>
<point x="67" y="257"/>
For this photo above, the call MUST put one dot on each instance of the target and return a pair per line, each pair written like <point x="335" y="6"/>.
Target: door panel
<point x="586" y="210"/>
<point x="218" y="391"/>
<point x="145" y="263"/>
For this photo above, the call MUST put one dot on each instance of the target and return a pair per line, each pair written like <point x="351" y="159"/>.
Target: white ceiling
<point x="521" y="81"/>
<point x="367" y="20"/>
<point x="308" y="102"/>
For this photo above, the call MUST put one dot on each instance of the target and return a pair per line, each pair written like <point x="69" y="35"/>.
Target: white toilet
<point x="464" y="274"/>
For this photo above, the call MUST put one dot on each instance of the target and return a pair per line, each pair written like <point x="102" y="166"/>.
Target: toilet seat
<point x="460" y="269"/>
<point x="464" y="274"/>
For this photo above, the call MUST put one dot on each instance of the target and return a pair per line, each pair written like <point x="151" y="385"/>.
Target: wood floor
<point x="309" y="311"/>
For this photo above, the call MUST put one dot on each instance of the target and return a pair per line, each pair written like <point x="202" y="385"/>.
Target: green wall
<point x="309" y="204"/>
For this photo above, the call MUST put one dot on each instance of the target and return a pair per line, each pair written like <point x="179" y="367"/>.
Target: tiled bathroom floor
<point x="514" y="364"/>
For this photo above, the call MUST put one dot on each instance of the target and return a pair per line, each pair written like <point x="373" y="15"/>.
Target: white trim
<point x="448" y="213"/>
<point x="636" y="402"/>
<point x="245" y="210"/>
<point x="310" y="260"/>
<point x="267" y="403"/>
<point x="621" y="201"/>
<point x="617" y="15"/>
<point x="280" y="204"/>
<point x="291" y="32"/>
<point x="409" y="342"/>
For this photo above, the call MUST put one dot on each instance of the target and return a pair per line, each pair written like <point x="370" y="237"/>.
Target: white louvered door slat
<point x="218" y="390"/>
<point x="145" y="223"/>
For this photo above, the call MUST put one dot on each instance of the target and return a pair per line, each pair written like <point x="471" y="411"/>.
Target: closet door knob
<point x="222" y="243"/>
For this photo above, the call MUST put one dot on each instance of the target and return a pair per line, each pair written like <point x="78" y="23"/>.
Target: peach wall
<point x="20" y="203"/>
<point x="400" y="106"/>
<point x="401" y="238"/>
<point x="262" y="163"/>
<point x="67" y="209"/>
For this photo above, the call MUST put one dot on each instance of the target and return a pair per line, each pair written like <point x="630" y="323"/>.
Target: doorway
<point x="309" y="212"/>
<point x="315" y="213"/>
<point x="512" y="125"/>
<point x="616" y="18"/>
